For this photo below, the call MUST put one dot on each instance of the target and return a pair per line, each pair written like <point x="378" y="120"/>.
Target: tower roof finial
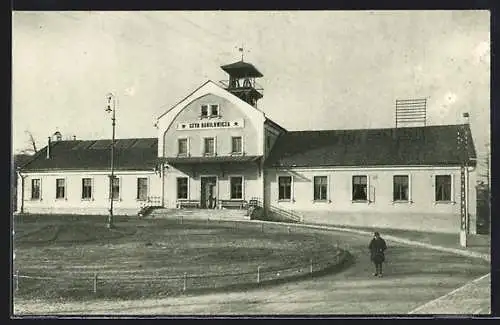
<point x="241" y="49"/>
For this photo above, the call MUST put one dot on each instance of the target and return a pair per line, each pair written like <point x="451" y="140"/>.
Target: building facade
<point x="72" y="177"/>
<point x="216" y="149"/>
<point x="400" y="178"/>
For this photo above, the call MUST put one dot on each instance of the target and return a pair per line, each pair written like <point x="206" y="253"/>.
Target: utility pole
<point x="111" y="108"/>
<point x="462" y="143"/>
<point x="489" y="187"/>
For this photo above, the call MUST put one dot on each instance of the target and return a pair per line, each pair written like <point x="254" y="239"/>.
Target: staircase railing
<point x="284" y="213"/>
<point x="149" y="205"/>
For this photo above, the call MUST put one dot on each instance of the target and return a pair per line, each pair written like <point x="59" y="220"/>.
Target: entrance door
<point x="208" y="192"/>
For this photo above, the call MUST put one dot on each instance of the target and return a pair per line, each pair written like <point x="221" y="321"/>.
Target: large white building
<point x="217" y="149"/>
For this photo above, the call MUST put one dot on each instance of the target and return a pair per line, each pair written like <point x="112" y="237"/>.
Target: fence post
<point x="289" y="230"/>
<point x="185" y="282"/>
<point x="262" y="227"/>
<point x="181" y="220"/>
<point x="95" y="282"/>
<point x="311" y="266"/>
<point x="258" y="274"/>
<point x="17" y="279"/>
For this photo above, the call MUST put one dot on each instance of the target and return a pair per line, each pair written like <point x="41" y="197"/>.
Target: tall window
<point x="142" y="189"/>
<point x="182" y="188"/>
<point x="320" y="188"/>
<point x="115" y="188"/>
<point x="359" y="188"/>
<point x="60" y="188"/>
<point x="35" y="189"/>
<point x="209" y="147"/>
<point x="400" y="188"/>
<point x="285" y="187"/>
<point x="236" y="145"/>
<point x="86" y="188"/>
<point x="237" y="187"/>
<point x="443" y="188"/>
<point x="204" y="110"/>
<point x="214" y="110"/>
<point x="182" y="147"/>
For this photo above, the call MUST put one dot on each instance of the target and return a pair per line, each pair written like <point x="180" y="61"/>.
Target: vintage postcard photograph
<point x="251" y="163"/>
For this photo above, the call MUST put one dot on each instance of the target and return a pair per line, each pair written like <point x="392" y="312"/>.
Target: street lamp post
<point x="111" y="108"/>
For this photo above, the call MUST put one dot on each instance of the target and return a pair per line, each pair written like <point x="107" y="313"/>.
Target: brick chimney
<point x="48" y="149"/>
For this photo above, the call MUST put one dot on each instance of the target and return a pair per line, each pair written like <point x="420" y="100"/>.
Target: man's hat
<point x="376" y="234"/>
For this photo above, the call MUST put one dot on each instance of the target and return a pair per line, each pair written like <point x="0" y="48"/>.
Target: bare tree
<point x="32" y="141"/>
<point x="485" y="175"/>
<point x="32" y="144"/>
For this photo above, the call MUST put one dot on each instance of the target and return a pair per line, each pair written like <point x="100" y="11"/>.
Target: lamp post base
<point x="463" y="238"/>
<point x="109" y="223"/>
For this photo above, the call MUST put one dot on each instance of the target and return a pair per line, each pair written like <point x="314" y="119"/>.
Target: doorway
<point x="208" y="192"/>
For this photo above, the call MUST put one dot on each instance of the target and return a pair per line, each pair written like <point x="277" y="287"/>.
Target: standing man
<point x="377" y="248"/>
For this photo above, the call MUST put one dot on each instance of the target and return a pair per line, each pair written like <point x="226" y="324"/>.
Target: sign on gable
<point x="210" y="125"/>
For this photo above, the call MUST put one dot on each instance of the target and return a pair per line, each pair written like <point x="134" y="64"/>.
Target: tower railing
<point x="254" y="85"/>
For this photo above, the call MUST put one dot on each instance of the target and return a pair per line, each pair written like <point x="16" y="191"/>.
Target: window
<point x="236" y="187"/>
<point x="320" y="188"/>
<point x="359" y="188"/>
<point x="142" y="189"/>
<point x="182" y="147"/>
<point x="182" y="188"/>
<point x="204" y="110"/>
<point x="236" y="145"/>
<point x="214" y="110"/>
<point x="209" y="147"/>
<point x="35" y="189"/>
<point x="86" y="188"/>
<point x="400" y="188"/>
<point x="285" y="187"/>
<point x="60" y="187"/>
<point x="115" y="188"/>
<point x="443" y="188"/>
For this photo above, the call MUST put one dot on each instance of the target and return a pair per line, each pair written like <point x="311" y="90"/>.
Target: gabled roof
<point x="430" y="146"/>
<point x="130" y="154"/>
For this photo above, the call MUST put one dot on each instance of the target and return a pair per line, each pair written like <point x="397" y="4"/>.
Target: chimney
<point x="48" y="149"/>
<point x="466" y="117"/>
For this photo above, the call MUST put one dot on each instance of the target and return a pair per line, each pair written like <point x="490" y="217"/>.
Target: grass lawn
<point x="58" y="257"/>
<point x="413" y="277"/>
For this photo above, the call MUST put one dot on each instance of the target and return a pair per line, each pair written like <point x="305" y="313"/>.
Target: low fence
<point x="129" y="285"/>
<point x="135" y="284"/>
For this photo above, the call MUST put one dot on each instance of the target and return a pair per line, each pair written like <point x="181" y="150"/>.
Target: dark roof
<point x="208" y="160"/>
<point x="274" y="124"/>
<point x="130" y="154"/>
<point x="242" y="69"/>
<point x="430" y="145"/>
<point x="21" y="159"/>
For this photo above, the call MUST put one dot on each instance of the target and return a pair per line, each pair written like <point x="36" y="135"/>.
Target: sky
<point x="322" y="69"/>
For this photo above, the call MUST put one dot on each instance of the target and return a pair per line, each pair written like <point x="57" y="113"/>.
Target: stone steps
<point x="201" y="214"/>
